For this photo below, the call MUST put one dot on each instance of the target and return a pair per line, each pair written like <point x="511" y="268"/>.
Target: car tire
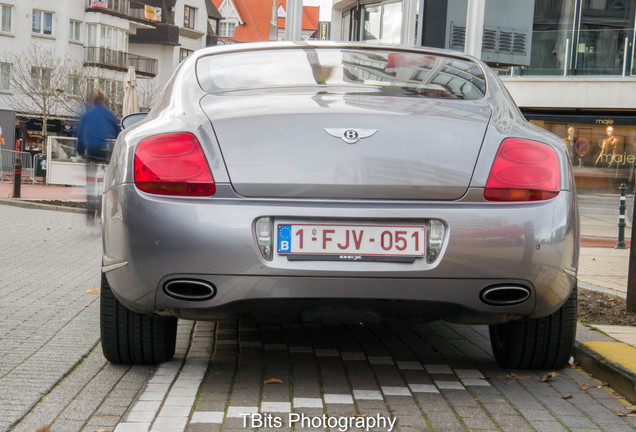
<point x="541" y="343"/>
<point x="132" y="338"/>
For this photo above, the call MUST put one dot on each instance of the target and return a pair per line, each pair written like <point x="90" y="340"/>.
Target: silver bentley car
<point x="339" y="182"/>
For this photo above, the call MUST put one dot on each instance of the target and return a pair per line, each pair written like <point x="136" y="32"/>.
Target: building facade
<point x="53" y="55"/>
<point x="247" y="20"/>
<point x="569" y="64"/>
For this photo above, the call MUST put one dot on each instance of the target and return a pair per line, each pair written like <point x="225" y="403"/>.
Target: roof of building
<point x="311" y="16"/>
<point x="256" y="16"/>
<point x="213" y="12"/>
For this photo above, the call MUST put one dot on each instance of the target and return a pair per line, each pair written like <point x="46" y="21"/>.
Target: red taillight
<point x="523" y="171"/>
<point x="173" y="164"/>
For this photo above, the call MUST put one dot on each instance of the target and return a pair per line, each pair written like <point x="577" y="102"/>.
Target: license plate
<point x="362" y="240"/>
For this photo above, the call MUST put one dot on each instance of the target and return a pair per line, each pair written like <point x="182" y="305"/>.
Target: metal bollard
<point x="17" y="177"/>
<point x="621" y="219"/>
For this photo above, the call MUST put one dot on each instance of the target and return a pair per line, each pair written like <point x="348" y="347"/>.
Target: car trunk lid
<point x="300" y="145"/>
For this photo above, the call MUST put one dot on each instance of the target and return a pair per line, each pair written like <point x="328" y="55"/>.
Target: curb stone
<point x="608" y="360"/>
<point x="594" y="358"/>
<point x="17" y="202"/>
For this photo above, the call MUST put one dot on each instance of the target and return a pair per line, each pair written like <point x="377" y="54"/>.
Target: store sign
<point x="324" y="30"/>
<point x="615" y="120"/>
<point x="51" y="125"/>
<point x="98" y="4"/>
<point x="150" y="13"/>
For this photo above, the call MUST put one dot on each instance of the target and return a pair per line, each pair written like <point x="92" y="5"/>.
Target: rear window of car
<point x="367" y="70"/>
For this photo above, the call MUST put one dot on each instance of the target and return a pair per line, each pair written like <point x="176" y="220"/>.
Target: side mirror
<point x="131" y="119"/>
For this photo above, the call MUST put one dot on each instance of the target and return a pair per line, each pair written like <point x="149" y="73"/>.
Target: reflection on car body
<point x="290" y="178"/>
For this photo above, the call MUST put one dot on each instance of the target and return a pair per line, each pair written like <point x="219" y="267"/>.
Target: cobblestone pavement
<point x="235" y="376"/>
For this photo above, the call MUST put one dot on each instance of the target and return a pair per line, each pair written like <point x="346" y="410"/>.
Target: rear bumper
<point x="149" y="241"/>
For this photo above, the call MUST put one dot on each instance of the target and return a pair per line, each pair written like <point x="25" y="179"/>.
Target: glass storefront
<point x="602" y="150"/>
<point x="582" y="37"/>
<point x="378" y="21"/>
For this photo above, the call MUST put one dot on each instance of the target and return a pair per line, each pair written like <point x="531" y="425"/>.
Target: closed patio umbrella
<point x="131" y="95"/>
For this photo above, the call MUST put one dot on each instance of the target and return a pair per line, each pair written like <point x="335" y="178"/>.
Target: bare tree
<point x="149" y="90"/>
<point x="39" y="80"/>
<point x="99" y="79"/>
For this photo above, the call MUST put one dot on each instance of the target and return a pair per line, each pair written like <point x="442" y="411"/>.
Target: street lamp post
<point x="474" y="27"/>
<point x="294" y="20"/>
<point x="631" y="271"/>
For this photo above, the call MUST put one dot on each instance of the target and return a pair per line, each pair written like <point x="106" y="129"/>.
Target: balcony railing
<point x="120" y="60"/>
<point x="118" y="6"/>
<point x="127" y="8"/>
<point x="143" y="65"/>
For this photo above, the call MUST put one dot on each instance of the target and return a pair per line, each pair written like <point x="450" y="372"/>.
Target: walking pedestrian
<point x="97" y="127"/>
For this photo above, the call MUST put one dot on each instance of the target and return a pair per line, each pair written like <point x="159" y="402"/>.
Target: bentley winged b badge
<point x="351" y="136"/>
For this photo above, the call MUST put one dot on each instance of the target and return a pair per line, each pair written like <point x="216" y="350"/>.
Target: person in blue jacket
<point x="97" y="127"/>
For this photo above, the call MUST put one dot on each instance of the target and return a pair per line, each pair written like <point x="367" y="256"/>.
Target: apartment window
<point x="74" y="84"/>
<point x="188" y="17"/>
<point x="40" y="78"/>
<point x="113" y="89"/>
<point x="5" y="77"/>
<point x="42" y="22"/>
<point x="226" y="29"/>
<point x="75" y="31"/>
<point x="184" y="53"/>
<point x="102" y="36"/>
<point x="7" y="12"/>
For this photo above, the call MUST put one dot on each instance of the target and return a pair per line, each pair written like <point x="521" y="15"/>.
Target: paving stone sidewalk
<point x="47" y="320"/>
<point x="437" y="377"/>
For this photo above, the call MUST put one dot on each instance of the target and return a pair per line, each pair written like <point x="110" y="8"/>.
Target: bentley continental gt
<point x="339" y="181"/>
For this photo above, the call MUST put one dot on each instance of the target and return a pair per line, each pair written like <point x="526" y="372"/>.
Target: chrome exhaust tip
<point x="192" y="290"/>
<point x="504" y="295"/>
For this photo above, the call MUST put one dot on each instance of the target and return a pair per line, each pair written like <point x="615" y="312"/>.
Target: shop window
<point x="5" y="77"/>
<point x="602" y="150"/>
<point x="7" y="17"/>
<point x="42" y="23"/>
<point x="75" y="31"/>
<point x="188" y="17"/>
<point x="379" y="21"/>
<point x="581" y="37"/>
